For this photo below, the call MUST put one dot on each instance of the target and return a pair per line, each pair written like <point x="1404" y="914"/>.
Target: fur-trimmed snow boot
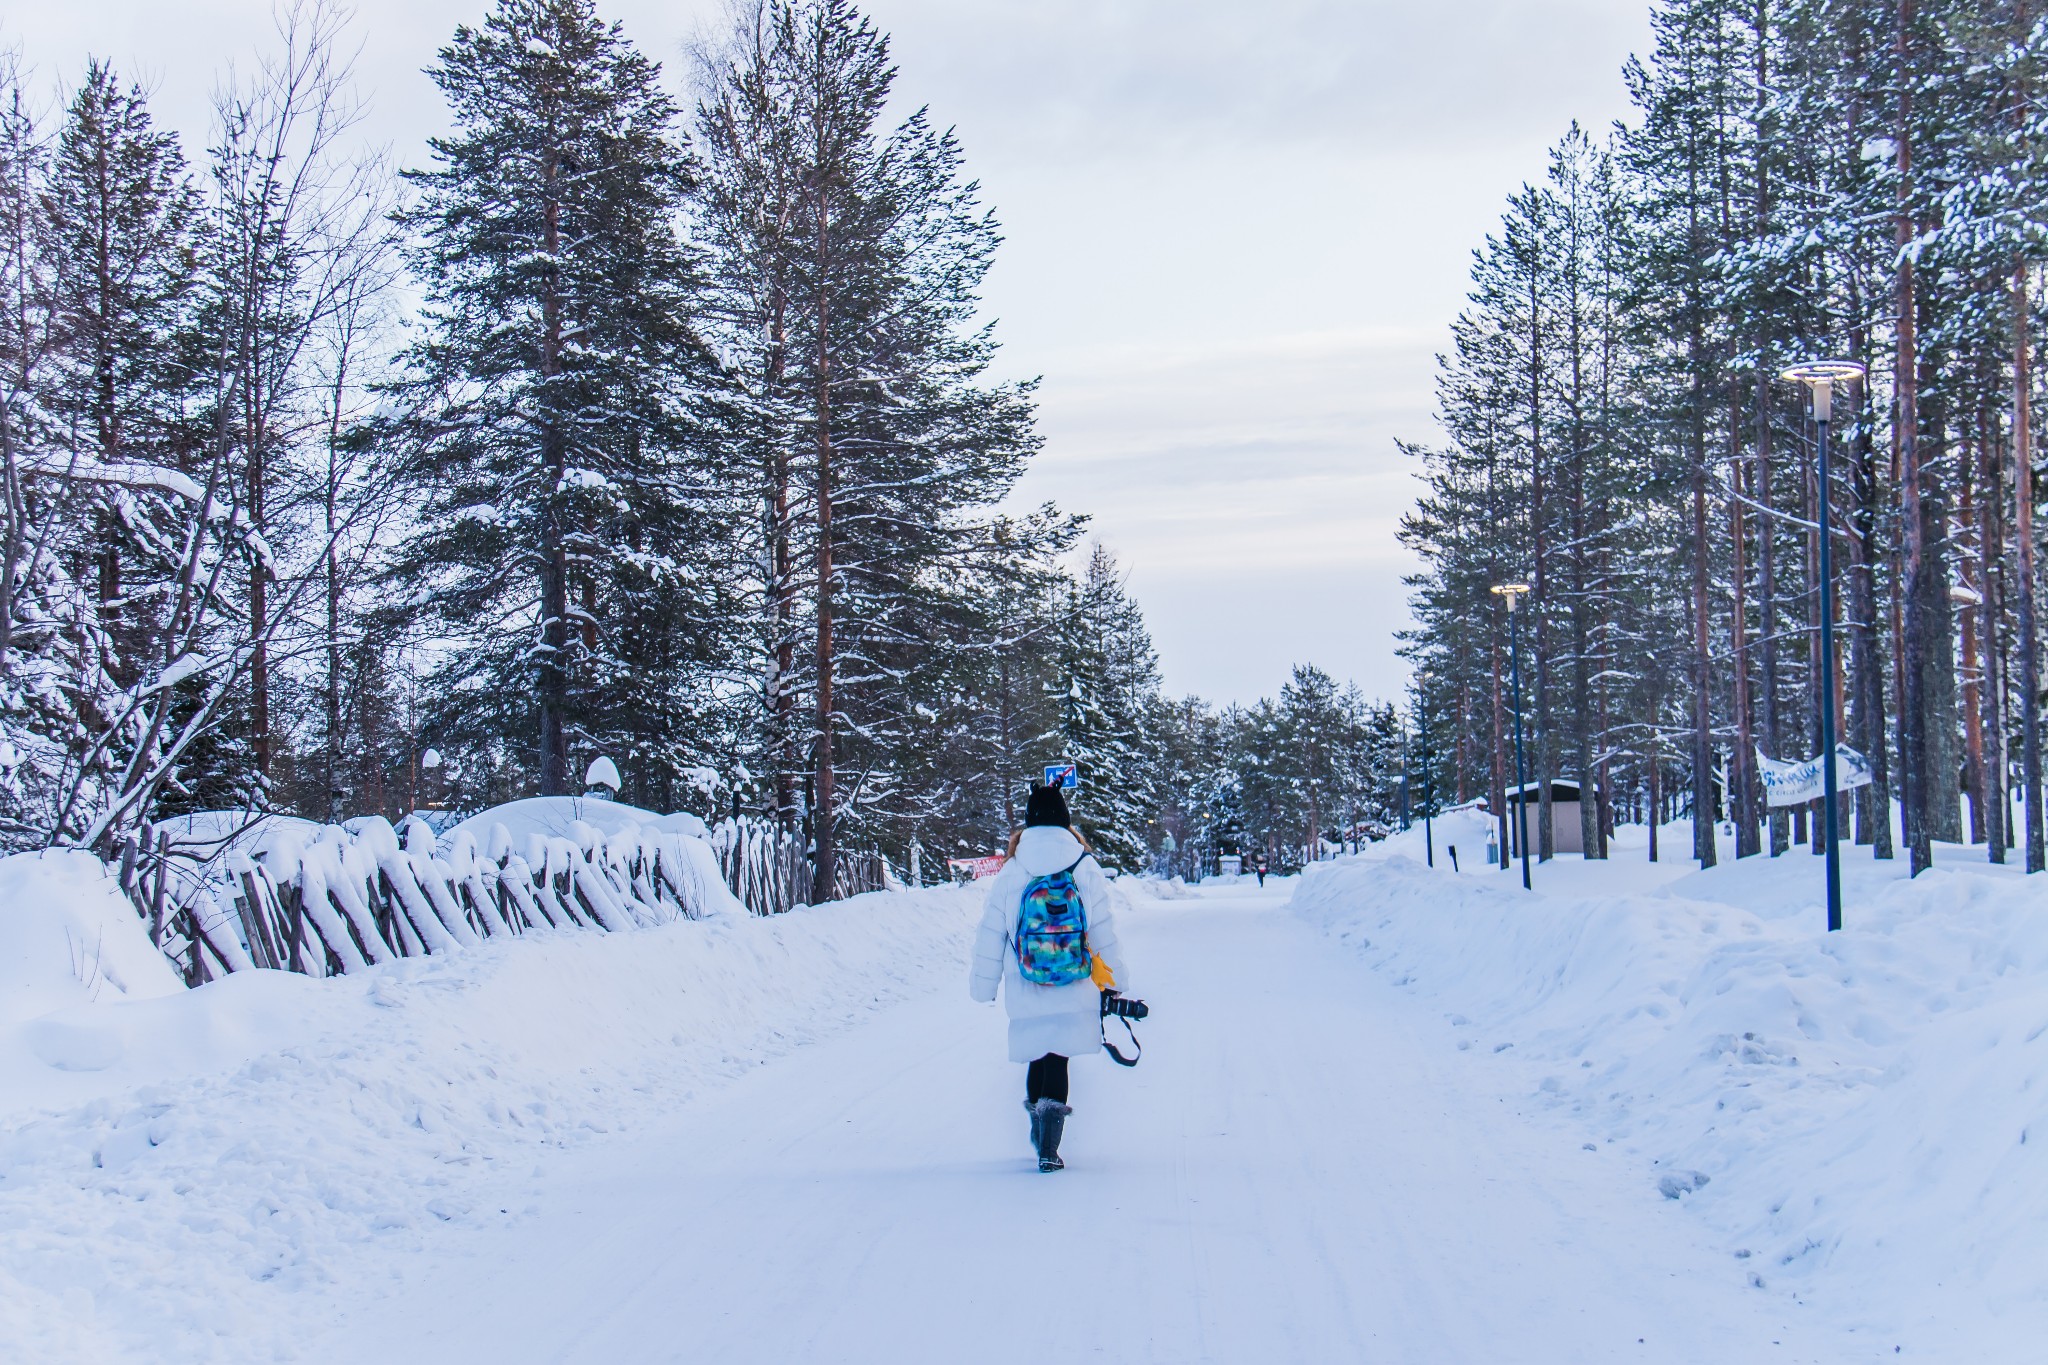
<point x="1031" y="1108"/>
<point x="1048" y="1121"/>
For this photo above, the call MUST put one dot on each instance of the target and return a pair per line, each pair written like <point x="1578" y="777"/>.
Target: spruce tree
<point x="849" y="259"/>
<point x="566" y="482"/>
<point x="1106" y="689"/>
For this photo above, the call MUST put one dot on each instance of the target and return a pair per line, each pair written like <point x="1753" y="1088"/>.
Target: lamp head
<point x="1821" y="376"/>
<point x="1511" y="592"/>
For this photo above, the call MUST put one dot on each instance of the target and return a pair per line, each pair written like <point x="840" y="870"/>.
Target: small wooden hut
<point x="1566" y="835"/>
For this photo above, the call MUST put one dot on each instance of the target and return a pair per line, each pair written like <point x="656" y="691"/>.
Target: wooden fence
<point x="327" y="900"/>
<point x="770" y="870"/>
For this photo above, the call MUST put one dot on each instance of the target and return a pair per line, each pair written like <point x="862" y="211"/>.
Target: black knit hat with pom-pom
<point x="1046" y="807"/>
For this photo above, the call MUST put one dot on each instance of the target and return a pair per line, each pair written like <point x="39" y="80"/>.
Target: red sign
<point x="977" y="868"/>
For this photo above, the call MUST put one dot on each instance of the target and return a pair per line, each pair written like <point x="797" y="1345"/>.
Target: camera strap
<point x="1110" y="1047"/>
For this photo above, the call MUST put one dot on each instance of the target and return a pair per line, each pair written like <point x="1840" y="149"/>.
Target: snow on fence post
<point x="769" y="869"/>
<point x="284" y="894"/>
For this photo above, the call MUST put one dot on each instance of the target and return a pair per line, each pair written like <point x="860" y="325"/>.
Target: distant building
<point x="1566" y="835"/>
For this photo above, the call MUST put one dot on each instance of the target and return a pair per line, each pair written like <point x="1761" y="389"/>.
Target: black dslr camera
<point x="1122" y="1006"/>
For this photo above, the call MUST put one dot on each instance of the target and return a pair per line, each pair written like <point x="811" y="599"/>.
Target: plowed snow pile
<point x="1860" y="1118"/>
<point x="170" y="1160"/>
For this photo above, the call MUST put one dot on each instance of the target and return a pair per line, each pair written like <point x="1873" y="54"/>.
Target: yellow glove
<point x="1101" y="975"/>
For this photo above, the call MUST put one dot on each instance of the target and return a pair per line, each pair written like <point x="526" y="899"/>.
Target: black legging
<point x="1046" y="1078"/>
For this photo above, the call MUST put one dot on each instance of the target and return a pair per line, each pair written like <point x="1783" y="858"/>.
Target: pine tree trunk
<point x="1703" y="675"/>
<point x="1540" y="597"/>
<point x="1991" y="681"/>
<point x="332" y="761"/>
<point x="1767" y="609"/>
<point x="1913" y="757"/>
<point x="1314" y="844"/>
<point x="1582" y="630"/>
<point x="1874" y="805"/>
<point x="824" y="867"/>
<point x="1972" y="674"/>
<point x="259" y="655"/>
<point x="789" y="756"/>
<point x="2025" y="590"/>
<point x="331" y="493"/>
<point x="1464" y="728"/>
<point x="1943" y="724"/>
<point x="1656" y="804"/>
<point x="1007" y="744"/>
<point x="120" y="659"/>
<point x="553" y="686"/>
<point x="1774" y="818"/>
<point x="1603" y="793"/>
<point x="1742" y="763"/>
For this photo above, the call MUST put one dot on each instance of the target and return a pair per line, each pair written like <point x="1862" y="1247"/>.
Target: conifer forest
<point x="649" y="419"/>
<point x="1799" y="180"/>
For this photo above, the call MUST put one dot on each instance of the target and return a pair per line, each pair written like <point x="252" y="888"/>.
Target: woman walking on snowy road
<point x="1048" y="1023"/>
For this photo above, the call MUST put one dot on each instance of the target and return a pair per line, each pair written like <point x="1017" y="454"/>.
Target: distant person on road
<point x="1262" y="872"/>
<point x="1049" y="1024"/>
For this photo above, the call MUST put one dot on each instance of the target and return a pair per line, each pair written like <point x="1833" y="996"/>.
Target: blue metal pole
<point x="1831" y="821"/>
<point x="1521" y="770"/>
<point x="1428" y="779"/>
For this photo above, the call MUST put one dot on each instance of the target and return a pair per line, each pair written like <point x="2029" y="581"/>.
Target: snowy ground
<point x="216" y="1175"/>
<point x="1407" y="1116"/>
<point x="1855" y="1119"/>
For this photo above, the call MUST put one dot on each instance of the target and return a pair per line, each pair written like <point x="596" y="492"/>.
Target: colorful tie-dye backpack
<point x="1052" y="930"/>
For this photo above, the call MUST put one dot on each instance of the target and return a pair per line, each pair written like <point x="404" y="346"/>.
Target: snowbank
<point x="557" y="817"/>
<point x="1860" y="1118"/>
<point x="171" y="1218"/>
<point x="1466" y="829"/>
<point x="1155" y="889"/>
<point x="69" y="937"/>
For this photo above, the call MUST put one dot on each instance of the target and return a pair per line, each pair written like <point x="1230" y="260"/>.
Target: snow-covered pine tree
<point x="35" y="711"/>
<point x="1001" y="705"/>
<point x="126" y="386"/>
<point x="851" y="257"/>
<point x="1313" y="726"/>
<point x="568" y="492"/>
<point x="1106" y="690"/>
<point x="747" y="210"/>
<point x="1192" y="785"/>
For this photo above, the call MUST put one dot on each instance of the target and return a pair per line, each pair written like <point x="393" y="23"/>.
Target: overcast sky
<point x="1237" y="231"/>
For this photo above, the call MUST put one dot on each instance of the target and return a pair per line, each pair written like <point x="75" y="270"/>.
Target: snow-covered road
<point x="1300" y="1170"/>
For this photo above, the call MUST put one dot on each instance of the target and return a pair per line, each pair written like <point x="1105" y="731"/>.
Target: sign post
<point x="1066" y="776"/>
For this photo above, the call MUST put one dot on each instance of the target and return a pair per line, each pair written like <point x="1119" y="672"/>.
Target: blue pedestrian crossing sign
<point x="1067" y="775"/>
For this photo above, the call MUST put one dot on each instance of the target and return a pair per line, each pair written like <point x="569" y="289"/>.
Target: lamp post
<point x="1820" y="377"/>
<point x="1511" y="593"/>
<point x="1428" y="773"/>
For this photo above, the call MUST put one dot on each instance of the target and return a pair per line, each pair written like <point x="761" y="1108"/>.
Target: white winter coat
<point x="1064" y="1019"/>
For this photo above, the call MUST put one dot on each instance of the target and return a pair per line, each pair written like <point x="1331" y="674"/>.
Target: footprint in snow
<point x="1675" y="1183"/>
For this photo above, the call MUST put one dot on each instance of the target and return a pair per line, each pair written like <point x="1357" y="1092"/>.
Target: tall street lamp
<point x="1511" y="593"/>
<point x="1820" y="377"/>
